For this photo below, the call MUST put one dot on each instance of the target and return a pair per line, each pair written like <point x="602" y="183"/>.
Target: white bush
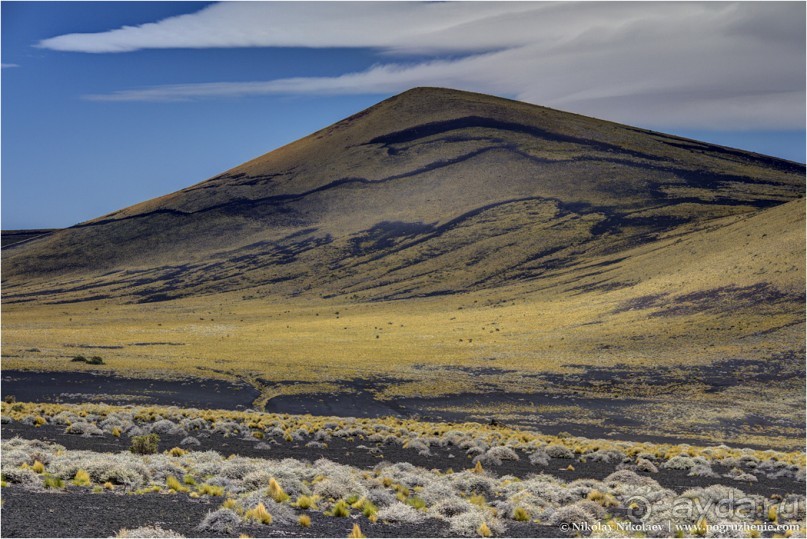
<point x="84" y="429"/>
<point x="401" y="513"/>
<point x="571" y="515"/>
<point x="539" y="458"/>
<point x="451" y="507"/>
<point x="147" y="531"/>
<point x="221" y="521"/>
<point x="23" y="477"/>
<point x="468" y="523"/>
<point x="701" y="470"/>
<point x="679" y="462"/>
<point x="559" y="451"/>
<point x="644" y="465"/>
<point x="495" y="455"/>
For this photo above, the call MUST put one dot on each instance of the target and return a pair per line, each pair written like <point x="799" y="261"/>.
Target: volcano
<point x="430" y="192"/>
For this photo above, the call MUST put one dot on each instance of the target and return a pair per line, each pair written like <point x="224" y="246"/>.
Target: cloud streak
<point x="694" y="65"/>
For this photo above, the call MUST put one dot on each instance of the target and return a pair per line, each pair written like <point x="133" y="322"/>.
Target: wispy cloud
<point x="707" y="65"/>
<point x="4" y="66"/>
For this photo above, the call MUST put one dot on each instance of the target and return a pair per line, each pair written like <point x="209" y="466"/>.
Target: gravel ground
<point x="82" y="387"/>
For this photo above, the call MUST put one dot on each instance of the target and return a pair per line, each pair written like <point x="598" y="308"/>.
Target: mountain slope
<point x="430" y="192"/>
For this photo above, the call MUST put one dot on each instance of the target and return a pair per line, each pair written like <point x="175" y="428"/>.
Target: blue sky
<point x="106" y="104"/>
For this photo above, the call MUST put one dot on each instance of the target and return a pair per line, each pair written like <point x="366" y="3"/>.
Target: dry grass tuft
<point x="82" y="479"/>
<point x="276" y="492"/>
<point x="259" y="514"/>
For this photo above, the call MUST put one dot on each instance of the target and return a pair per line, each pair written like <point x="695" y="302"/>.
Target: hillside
<point x="430" y="192"/>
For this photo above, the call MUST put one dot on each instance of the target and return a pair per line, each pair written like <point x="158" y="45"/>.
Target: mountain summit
<point x="433" y="191"/>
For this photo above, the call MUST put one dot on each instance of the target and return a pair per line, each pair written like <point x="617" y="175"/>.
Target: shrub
<point x="539" y="458"/>
<point x="84" y="429"/>
<point x="644" y="465"/>
<point x="470" y="522"/>
<point x="145" y="445"/>
<point x="559" y="452"/>
<point x="702" y="470"/>
<point x="400" y="513"/>
<point x="602" y="455"/>
<point x="679" y="462"/>
<point x="147" y="531"/>
<point x="189" y="440"/>
<point x="116" y="432"/>
<point x="484" y="530"/>
<point x="602" y="498"/>
<point x="21" y="476"/>
<point x="9" y="399"/>
<point x="176" y="452"/>
<point x="38" y="467"/>
<point x="259" y="514"/>
<point x="738" y="475"/>
<point x="628" y="477"/>
<point x="121" y="468"/>
<point x="79" y="359"/>
<point x="223" y="521"/>
<point x="451" y="507"/>
<point x="164" y="426"/>
<point x="356" y="533"/>
<point x="495" y="455"/>
<point x="304" y="521"/>
<point x="571" y="515"/>
<point x="95" y="360"/>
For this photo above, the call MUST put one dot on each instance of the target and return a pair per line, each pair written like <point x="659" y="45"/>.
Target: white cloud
<point x="705" y="65"/>
<point x="4" y="66"/>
